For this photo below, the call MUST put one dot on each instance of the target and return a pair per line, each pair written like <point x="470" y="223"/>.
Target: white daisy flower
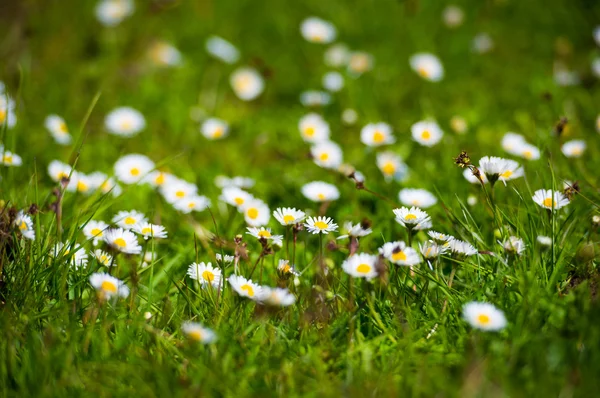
<point x="24" y="224"/>
<point x="124" y="121"/>
<point x="512" y="141"/>
<point x="349" y="116"/>
<point x="192" y="203"/>
<point x="176" y="189"/>
<point x="357" y="230"/>
<point x="544" y="240"/>
<point x="496" y="168"/>
<point x="337" y="55"/>
<point x="430" y="250"/>
<point x="58" y="129"/>
<point x="550" y="200"/>
<point x="428" y="66"/>
<point x="313" y="128"/>
<point x="103" y="258"/>
<point x="245" y="287"/>
<point x="148" y="230"/>
<point x="413" y="218"/>
<point x="573" y="148"/>
<point x="314" y="98"/>
<point x="514" y="245"/>
<point x="377" y="134"/>
<point x="564" y="77"/>
<point x="247" y="83"/>
<point x="469" y="176"/>
<point x="288" y="215"/>
<point x="484" y="316"/>
<point x="8" y="117"/>
<point x="108" y="286"/>
<point x="82" y="183"/>
<point x="110" y="186"/>
<point x="440" y="238"/>
<point x="129" y="219"/>
<point x="227" y="259"/>
<point x="317" y="30"/>
<point x="162" y="53"/>
<point x="528" y="151"/>
<point x="149" y="258"/>
<point x="459" y="124"/>
<point x="453" y="16"/>
<point x="73" y="253"/>
<point x="94" y="230"/>
<point x="112" y="12"/>
<point x="59" y="171"/>
<point x="158" y="178"/>
<point x="417" y="197"/>
<point x="285" y="270"/>
<point x="222" y="49"/>
<point x="327" y="154"/>
<point x="235" y="196"/>
<point x="398" y="253"/>
<point x="392" y="166"/>
<point x="361" y="265"/>
<point x="277" y="297"/>
<point x="333" y="81"/>
<point x="256" y="212"/>
<point x="196" y="332"/>
<point x="9" y="158"/>
<point x="426" y="133"/>
<point x="319" y="191"/>
<point x="462" y="248"/>
<point x="260" y="233"/>
<point x="122" y="240"/>
<point x="205" y="274"/>
<point x="238" y="182"/>
<point x="360" y="62"/>
<point x="132" y="168"/>
<point x="317" y="225"/>
<point x="214" y="129"/>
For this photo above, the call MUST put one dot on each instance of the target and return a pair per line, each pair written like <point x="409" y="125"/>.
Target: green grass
<point x="342" y="337"/>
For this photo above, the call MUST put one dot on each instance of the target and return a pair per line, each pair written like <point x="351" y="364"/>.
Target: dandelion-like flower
<point x="94" y="230"/>
<point x="357" y="230"/>
<point x="462" y="248"/>
<point x="360" y="62"/>
<point x="484" y="316"/>
<point x="496" y="168"/>
<point x="333" y="81"/>
<point x="285" y="270"/>
<point x="8" y="158"/>
<point x="112" y="12"/>
<point x="192" y="203"/>
<point x="235" y="196"/>
<point x="276" y="297"/>
<point x="320" y="225"/>
<point x="102" y="257"/>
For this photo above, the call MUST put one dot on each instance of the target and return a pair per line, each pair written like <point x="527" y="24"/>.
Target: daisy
<point x="496" y="168"/>
<point x="238" y="182"/>
<point x="247" y="83"/>
<point x="129" y="219"/>
<point x="462" y="248"/>
<point x="459" y="124"/>
<point x="103" y="258"/>
<point x="337" y="55"/>
<point x="288" y="215"/>
<point x="428" y="66"/>
<point x="285" y="270"/>
<point x="124" y="121"/>
<point x="413" y="218"/>
<point x="453" y="16"/>
<point x="277" y="297"/>
<point x="440" y="238"/>
<point x="24" y="224"/>
<point x="192" y="203"/>
<point x="319" y="191"/>
<point x="357" y="230"/>
<point x="214" y="129"/>
<point x="512" y="141"/>
<point x="132" y="168"/>
<point x="256" y="212"/>
<point x="176" y="189"/>
<point x="333" y="81"/>
<point x="110" y="186"/>
<point x="148" y="230"/>
<point x="417" y="197"/>
<point x="74" y="253"/>
<point x="82" y="183"/>
<point x="58" y="129"/>
<point x="514" y="245"/>
<point x="361" y="265"/>
<point x="108" y="286"/>
<point x="59" y="171"/>
<point x="349" y="116"/>
<point x="196" y="332"/>
<point x="469" y="176"/>
<point x="316" y="225"/>
<point x="573" y="148"/>
<point x="360" y="62"/>
<point x="313" y="128"/>
<point x="484" y="316"/>
<point x="205" y="274"/>
<point x="9" y="158"/>
<point x="550" y="200"/>
<point x="158" y="178"/>
<point x="398" y="253"/>
<point x="94" y="230"/>
<point x="122" y="240"/>
<point x="527" y="151"/>
<point x="227" y="259"/>
<point x="315" y="98"/>
<point x="377" y="134"/>
<point x="162" y="53"/>
<point x="430" y="250"/>
<point x="327" y="154"/>
<point x="259" y="233"/>
<point x="8" y="116"/>
<point x="245" y="287"/>
<point x="544" y="240"/>
<point x="112" y="12"/>
<point x="149" y="258"/>
<point x="222" y="49"/>
<point x="317" y="30"/>
<point x="426" y="133"/>
<point x="392" y="166"/>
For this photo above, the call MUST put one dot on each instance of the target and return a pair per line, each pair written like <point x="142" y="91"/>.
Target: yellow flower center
<point x="321" y="196"/>
<point x="428" y="251"/>
<point x="218" y="133"/>
<point x="426" y="135"/>
<point x="96" y="232"/>
<point x="120" y="242"/>
<point x="126" y="125"/>
<point x="160" y="179"/>
<point x="410" y="217"/>
<point x="208" y="276"/>
<point x="248" y="289"/>
<point x="135" y="171"/>
<point x="191" y="205"/>
<point x="130" y="221"/>
<point x="242" y="82"/>
<point x="483" y="319"/>
<point x="548" y="202"/>
<point x="195" y="335"/>
<point x="423" y="71"/>
<point x="2" y="115"/>
<point x="252" y="213"/>
<point x="389" y="168"/>
<point x="527" y="154"/>
<point x="82" y="186"/>
<point x="363" y="268"/>
<point x="109" y="286"/>
<point x="576" y="151"/>
<point x="180" y="194"/>
<point x="321" y="225"/>
<point x="146" y="230"/>
<point x="103" y="259"/>
<point x="286" y="269"/>
<point x="23" y="226"/>
<point x="378" y="137"/>
<point x="506" y="174"/>
<point x="398" y="256"/>
<point x="7" y="159"/>
<point x="309" y="131"/>
<point x="288" y="219"/>
<point x="324" y="156"/>
<point x="263" y="233"/>
<point x="239" y="201"/>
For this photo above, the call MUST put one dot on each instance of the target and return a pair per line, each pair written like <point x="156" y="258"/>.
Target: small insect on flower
<point x="392" y="166"/>
<point x="73" y="253"/>
<point x="496" y="168"/>
<point x="319" y="191"/>
<point x="360" y="62"/>
<point x="361" y="265"/>
<point x="550" y="200"/>
<point x="573" y="148"/>
<point x="214" y="129"/>
<point x="428" y="66"/>
<point x="256" y="212"/>
<point x="377" y="134"/>
<point x="164" y="54"/>
<point x="514" y="245"/>
<point x="327" y="154"/>
<point x="462" y="248"/>
<point x="222" y="49"/>
<point x="484" y="316"/>
<point x="285" y="270"/>
<point x="132" y="168"/>
<point x="205" y="274"/>
<point x="313" y="128"/>
<point x="58" y="129"/>
<point x="198" y="333"/>
<point x="245" y="287"/>
<point x="129" y="219"/>
<point x="288" y="215"/>
<point x="413" y="218"/>
<point x="426" y="133"/>
<point x="103" y="258"/>
<point x="24" y="224"/>
<point x="124" y="121"/>
<point x="417" y="197"/>
<point x="192" y="203"/>
<point x="122" y="240"/>
<point x="94" y="230"/>
<point x="318" y="225"/>
<point x="112" y="12"/>
<point x="398" y="253"/>
<point x="317" y="30"/>
<point x="247" y="83"/>
<point x="108" y="286"/>
<point x="276" y="297"/>
<point x="333" y="81"/>
<point x="9" y="158"/>
<point x="148" y="230"/>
